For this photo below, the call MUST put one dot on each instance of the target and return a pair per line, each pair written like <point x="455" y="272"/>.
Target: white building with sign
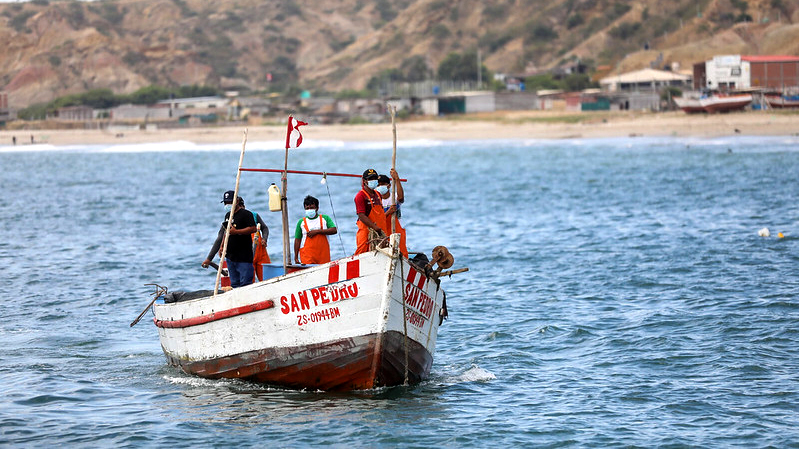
<point x="728" y="72"/>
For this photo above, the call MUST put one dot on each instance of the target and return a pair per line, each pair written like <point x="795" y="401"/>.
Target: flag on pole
<point x="293" y="136"/>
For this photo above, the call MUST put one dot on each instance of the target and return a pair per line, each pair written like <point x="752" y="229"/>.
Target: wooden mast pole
<point x="393" y="110"/>
<point x="284" y="208"/>
<point x="232" y="212"/>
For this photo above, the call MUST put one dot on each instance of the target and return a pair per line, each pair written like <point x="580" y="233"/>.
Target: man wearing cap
<point x="369" y="207"/>
<point x="239" y="247"/>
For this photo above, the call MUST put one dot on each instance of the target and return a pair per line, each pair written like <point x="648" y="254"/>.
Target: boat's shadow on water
<point x="191" y="399"/>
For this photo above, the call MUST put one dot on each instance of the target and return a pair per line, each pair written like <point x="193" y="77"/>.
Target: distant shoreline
<point x="498" y="125"/>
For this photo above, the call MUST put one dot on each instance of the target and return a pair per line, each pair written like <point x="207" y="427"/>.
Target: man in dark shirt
<point x="239" y="246"/>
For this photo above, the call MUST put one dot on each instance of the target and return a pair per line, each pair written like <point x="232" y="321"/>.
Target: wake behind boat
<point x="364" y="321"/>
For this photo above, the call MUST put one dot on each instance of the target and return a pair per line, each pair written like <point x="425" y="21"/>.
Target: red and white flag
<point x="293" y="136"/>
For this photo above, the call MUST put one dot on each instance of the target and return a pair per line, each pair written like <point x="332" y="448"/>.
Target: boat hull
<point x="783" y="101"/>
<point x="689" y="105"/>
<point x="713" y="104"/>
<point x="356" y="363"/>
<point x="350" y="324"/>
<point x="726" y="104"/>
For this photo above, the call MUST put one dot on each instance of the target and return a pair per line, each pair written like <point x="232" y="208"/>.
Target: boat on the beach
<point x="360" y="322"/>
<point x="713" y="103"/>
<point x="782" y="101"/>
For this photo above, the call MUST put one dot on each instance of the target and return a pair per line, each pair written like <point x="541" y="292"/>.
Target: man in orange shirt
<point x="310" y="237"/>
<point x="369" y="207"/>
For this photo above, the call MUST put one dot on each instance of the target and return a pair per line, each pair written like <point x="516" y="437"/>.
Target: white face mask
<point x="371" y="184"/>
<point x="381" y="189"/>
<point x="310" y="213"/>
<point x="228" y="207"/>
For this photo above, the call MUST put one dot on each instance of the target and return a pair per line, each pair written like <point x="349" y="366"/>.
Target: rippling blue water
<point x="619" y="294"/>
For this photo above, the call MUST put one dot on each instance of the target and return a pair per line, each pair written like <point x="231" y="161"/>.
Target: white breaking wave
<point x="477" y="374"/>
<point x="190" y="381"/>
<point x="473" y="374"/>
<point x="752" y="144"/>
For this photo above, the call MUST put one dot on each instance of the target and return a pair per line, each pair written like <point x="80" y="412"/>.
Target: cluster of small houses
<point x="639" y="90"/>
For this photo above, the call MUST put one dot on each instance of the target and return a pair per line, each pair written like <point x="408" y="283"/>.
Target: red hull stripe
<point x="422" y="281"/>
<point x="332" y="274"/>
<point x="411" y="275"/>
<point x="353" y="269"/>
<point x="221" y="315"/>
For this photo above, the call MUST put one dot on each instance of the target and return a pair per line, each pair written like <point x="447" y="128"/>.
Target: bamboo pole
<point x="232" y="212"/>
<point x="393" y="110"/>
<point x="285" y="213"/>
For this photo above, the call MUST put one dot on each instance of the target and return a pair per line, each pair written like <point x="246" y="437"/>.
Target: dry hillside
<point x="52" y="48"/>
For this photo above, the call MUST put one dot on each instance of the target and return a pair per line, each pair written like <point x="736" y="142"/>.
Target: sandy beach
<point x="498" y="125"/>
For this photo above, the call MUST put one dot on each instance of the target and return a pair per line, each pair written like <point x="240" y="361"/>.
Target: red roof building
<point x="730" y="72"/>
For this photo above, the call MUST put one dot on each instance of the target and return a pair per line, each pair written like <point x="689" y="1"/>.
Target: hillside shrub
<point x="493" y="41"/>
<point x="437" y="5"/>
<point x="185" y="10"/>
<point x="385" y="10"/>
<point x="415" y="68"/>
<point x="338" y="45"/>
<point x="495" y="12"/>
<point x="540" y="32"/>
<point x="133" y="58"/>
<point x="625" y="30"/>
<point x="20" y="21"/>
<point x="384" y="77"/>
<point x="619" y="9"/>
<point x="231" y="22"/>
<point x="75" y="15"/>
<point x="440" y="31"/>
<point x="574" y="20"/>
<point x="461" y="67"/>
<point x="110" y="12"/>
<point x="291" y="8"/>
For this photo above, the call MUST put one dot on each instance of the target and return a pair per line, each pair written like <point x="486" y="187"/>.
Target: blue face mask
<point x="371" y="184"/>
<point x="381" y="189"/>
<point x="310" y="213"/>
<point x="228" y="207"/>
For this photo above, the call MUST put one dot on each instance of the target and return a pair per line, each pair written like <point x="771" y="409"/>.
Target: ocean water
<point x="618" y="294"/>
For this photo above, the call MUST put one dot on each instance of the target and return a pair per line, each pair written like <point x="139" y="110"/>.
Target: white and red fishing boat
<point x="782" y="101"/>
<point x="356" y="323"/>
<point x="360" y="322"/>
<point x="714" y="103"/>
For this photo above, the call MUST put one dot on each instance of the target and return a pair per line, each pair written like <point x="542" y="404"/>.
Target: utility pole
<point x="479" y="71"/>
